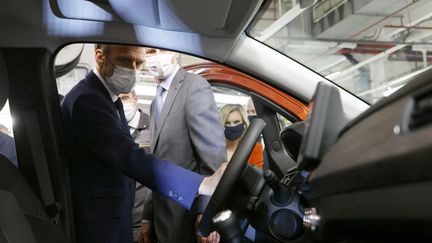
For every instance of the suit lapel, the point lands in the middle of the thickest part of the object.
(172, 93)
(93, 81)
(152, 127)
(144, 120)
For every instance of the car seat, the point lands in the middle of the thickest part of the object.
(22, 215)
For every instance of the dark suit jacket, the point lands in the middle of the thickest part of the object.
(103, 158)
(189, 133)
(7, 147)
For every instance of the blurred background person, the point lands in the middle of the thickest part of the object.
(138, 122)
(235, 121)
(7, 145)
(250, 109)
(137, 119)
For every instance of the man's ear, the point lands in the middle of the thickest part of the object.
(99, 56)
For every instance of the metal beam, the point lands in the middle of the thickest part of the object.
(374, 58)
(281, 22)
(397, 82)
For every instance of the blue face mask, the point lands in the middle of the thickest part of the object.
(233, 133)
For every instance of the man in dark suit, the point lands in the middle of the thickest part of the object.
(103, 158)
(185, 129)
(7, 147)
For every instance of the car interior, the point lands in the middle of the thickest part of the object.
(345, 164)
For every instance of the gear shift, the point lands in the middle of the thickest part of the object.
(281, 195)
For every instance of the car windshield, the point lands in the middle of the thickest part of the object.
(369, 47)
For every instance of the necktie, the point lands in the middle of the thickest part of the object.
(119, 106)
(159, 100)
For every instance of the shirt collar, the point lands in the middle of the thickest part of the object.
(103, 81)
(167, 82)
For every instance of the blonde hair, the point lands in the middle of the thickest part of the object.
(226, 110)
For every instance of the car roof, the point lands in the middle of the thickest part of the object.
(169, 25)
(214, 30)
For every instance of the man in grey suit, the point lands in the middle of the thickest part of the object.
(185, 128)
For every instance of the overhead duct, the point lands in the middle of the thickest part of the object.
(348, 19)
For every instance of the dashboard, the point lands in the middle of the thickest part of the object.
(375, 180)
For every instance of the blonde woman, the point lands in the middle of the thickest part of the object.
(235, 121)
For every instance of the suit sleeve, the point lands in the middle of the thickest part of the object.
(205, 129)
(98, 127)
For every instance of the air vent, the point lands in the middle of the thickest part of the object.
(422, 111)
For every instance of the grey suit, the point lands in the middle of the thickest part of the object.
(188, 133)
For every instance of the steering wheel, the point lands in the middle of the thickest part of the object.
(233, 171)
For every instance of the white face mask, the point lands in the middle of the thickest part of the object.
(161, 66)
(129, 110)
(122, 80)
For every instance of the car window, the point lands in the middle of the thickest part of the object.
(225, 95)
(370, 48)
(278, 109)
(283, 121)
(145, 87)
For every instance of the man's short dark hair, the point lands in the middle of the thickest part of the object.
(103, 47)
